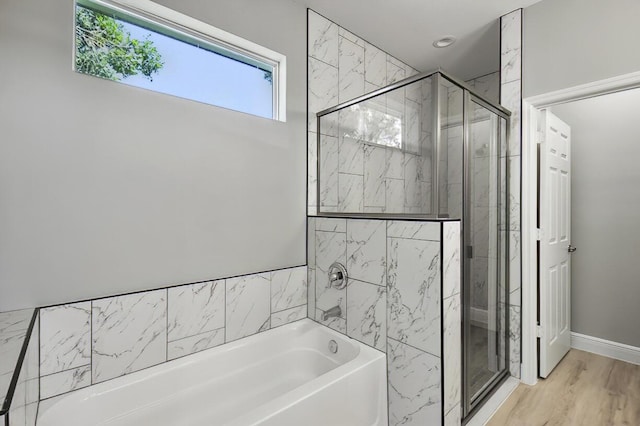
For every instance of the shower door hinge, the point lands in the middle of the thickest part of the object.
(538, 234)
(538, 331)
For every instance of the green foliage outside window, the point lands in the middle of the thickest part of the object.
(105, 49)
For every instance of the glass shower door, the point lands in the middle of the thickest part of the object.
(485, 257)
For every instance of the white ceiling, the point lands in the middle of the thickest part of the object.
(407, 29)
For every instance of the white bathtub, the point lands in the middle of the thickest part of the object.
(283, 377)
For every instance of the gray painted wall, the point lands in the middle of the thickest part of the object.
(605, 211)
(572, 42)
(106, 188)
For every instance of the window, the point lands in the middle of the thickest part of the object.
(143, 44)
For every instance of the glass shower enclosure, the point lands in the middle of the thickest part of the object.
(428, 147)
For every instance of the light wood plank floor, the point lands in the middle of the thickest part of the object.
(584, 389)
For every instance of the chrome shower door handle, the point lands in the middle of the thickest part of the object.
(571, 249)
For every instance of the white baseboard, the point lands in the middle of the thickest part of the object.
(606, 348)
(479, 316)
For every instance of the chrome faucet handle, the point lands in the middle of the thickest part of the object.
(338, 276)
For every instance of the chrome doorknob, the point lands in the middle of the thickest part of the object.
(571, 249)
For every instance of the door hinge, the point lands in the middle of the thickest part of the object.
(469, 252)
(539, 234)
(538, 331)
(540, 138)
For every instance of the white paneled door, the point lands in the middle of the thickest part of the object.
(555, 240)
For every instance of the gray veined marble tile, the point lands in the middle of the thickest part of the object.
(414, 90)
(330, 247)
(484, 187)
(65, 381)
(374, 210)
(331, 225)
(370, 87)
(13, 329)
(515, 297)
(514, 340)
(454, 157)
(413, 284)
(481, 139)
(413, 186)
(367, 250)
(351, 37)
(312, 172)
(453, 417)
(311, 242)
(129, 333)
(397, 62)
(514, 193)
(328, 171)
(395, 164)
(65, 337)
(511, 98)
(488, 86)
(311, 293)
(394, 194)
(350, 70)
(395, 71)
(454, 200)
(366, 313)
(451, 272)
(192, 344)
(288, 288)
(413, 230)
(323, 93)
(374, 181)
(452, 347)
(196, 308)
(350, 193)
(351, 156)
(410, 71)
(414, 386)
(412, 125)
(515, 267)
(479, 274)
(288, 315)
(323, 39)
(480, 232)
(375, 65)
(511, 46)
(248, 305)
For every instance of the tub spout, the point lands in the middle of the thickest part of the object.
(331, 313)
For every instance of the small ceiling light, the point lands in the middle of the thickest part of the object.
(445, 41)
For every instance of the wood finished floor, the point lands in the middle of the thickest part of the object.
(585, 389)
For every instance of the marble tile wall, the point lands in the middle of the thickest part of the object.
(394, 303)
(14, 326)
(452, 323)
(357, 177)
(24, 404)
(89, 342)
(511, 98)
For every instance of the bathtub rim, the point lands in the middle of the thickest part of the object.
(365, 356)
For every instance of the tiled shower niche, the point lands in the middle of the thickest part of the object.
(403, 298)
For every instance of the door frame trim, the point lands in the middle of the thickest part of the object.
(530, 108)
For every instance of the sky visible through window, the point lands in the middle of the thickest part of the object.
(201, 75)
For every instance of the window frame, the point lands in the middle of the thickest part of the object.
(169, 22)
